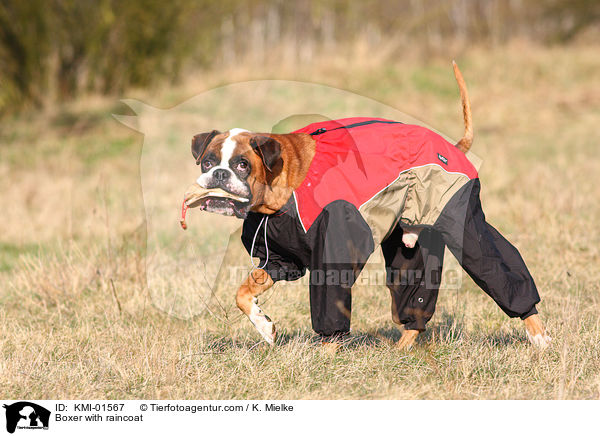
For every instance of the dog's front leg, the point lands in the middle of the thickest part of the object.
(246, 299)
(535, 331)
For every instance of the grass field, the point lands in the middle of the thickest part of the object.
(79, 321)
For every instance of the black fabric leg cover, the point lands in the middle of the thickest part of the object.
(413, 276)
(491, 261)
(341, 243)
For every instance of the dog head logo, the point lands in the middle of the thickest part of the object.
(26, 415)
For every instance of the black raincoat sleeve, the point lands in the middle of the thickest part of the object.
(280, 264)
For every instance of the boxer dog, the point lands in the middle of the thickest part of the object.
(329, 193)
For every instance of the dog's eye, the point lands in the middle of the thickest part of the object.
(207, 164)
(242, 166)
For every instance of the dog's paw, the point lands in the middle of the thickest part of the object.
(541, 341)
(407, 339)
(536, 332)
(409, 238)
(330, 348)
(262, 323)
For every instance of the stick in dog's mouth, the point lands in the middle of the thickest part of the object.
(196, 196)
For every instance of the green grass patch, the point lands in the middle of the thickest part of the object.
(435, 80)
(94, 152)
(11, 253)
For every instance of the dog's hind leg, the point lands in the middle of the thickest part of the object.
(246, 299)
(413, 278)
(493, 263)
(407, 339)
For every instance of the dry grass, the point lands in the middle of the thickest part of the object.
(77, 320)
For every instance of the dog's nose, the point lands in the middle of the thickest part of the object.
(221, 175)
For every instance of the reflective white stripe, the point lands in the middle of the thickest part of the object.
(264, 219)
(298, 210)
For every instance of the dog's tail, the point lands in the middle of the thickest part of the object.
(467, 140)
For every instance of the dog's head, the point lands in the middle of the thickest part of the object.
(239, 162)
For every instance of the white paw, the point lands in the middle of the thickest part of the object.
(540, 341)
(262, 323)
(409, 238)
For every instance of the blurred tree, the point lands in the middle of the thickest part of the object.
(570, 17)
(53, 50)
(24, 48)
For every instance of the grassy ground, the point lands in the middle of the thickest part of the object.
(78, 321)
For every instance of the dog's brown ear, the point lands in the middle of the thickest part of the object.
(268, 149)
(200, 142)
